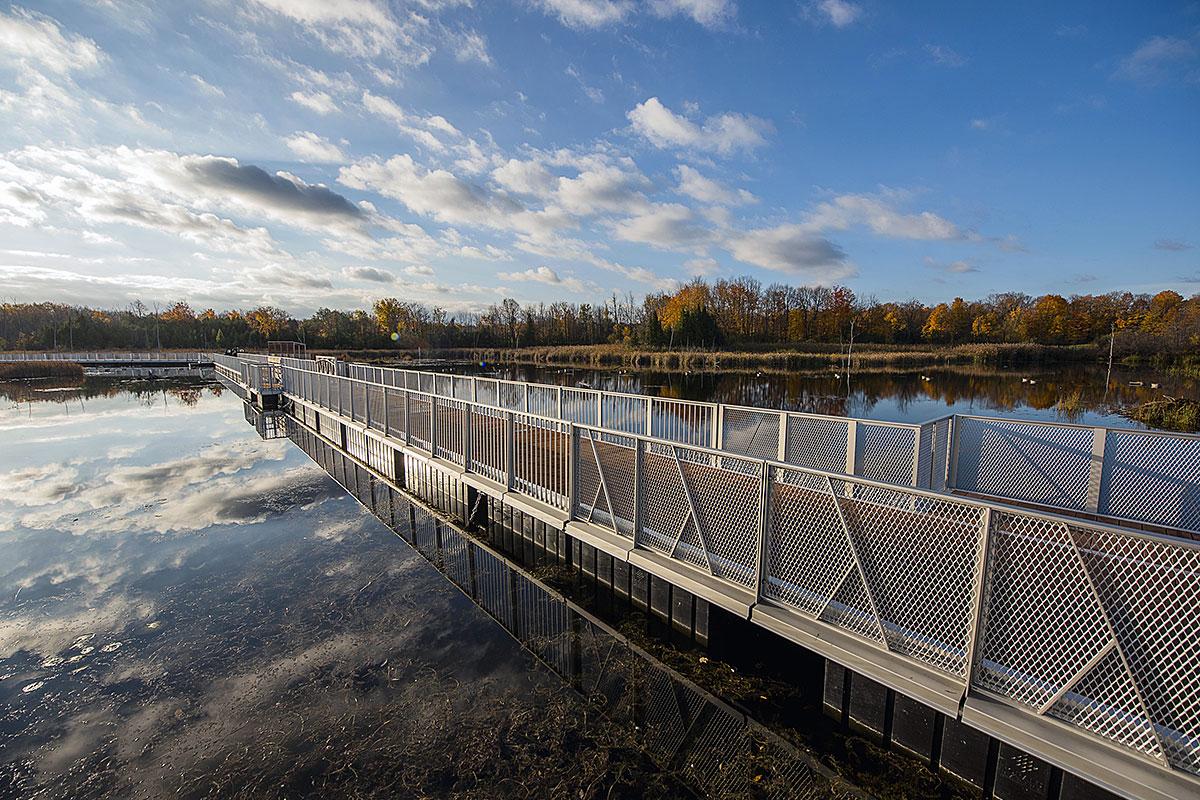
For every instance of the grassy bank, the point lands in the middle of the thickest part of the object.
(809, 357)
(22, 370)
(1169, 413)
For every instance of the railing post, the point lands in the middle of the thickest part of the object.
(1096, 475)
(407, 417)
(851, 446)
(525, 386)
(952, 467)
(558, 402)
(599, 409)
(979, 593)
(918, 436)
(719, 435)
(466, 437)
(572, 465)
(764, 529)
(650, 417)
(714, 428)
(433, 423)
(783, 436)
(638, 489)
(510, 438)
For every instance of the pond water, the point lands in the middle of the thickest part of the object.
(1083, 394)
(190, 611)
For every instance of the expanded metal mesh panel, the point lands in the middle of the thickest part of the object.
(540, 454)
(511, 396)
(817, 443)
(420, 420)
(700, 511)
(395, 412)
(942, 430)
(893, 568)
(487, 391)
(343, 405)
(462, 387)
(489, 442)
(623, 412)
(1063, 600)
(580, 407)
(605, 480)
(451, 430)
(1047, 464)
(885, 453)
(686, 423)
(543, 401)
(378, 414)
(751, 433)
(1153, 478)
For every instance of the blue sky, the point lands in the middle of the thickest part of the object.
(313, 153)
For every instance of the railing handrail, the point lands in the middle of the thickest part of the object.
(1079, 425)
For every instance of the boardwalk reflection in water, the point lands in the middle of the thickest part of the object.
(719, 751)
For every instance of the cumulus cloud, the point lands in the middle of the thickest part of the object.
(602, 188)
(706, 190)
(317, 102)
(359, 28)
(878, 212)
(542, 274)
(29, 38)
(792, 249)
(722, 133)
(668, 226)
(310, 147)
(369, 274)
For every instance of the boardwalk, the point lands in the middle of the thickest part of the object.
(1074, 637)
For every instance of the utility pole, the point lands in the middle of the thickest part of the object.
(1112, 338)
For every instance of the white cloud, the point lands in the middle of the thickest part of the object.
(706, 190)
(669, 226)
(710, 13)
(792, 249)
(959, 267)
(370, 274)
(427, 130)
(358, 28)
(945, 56)
(980, 124)
(312, 148)
(587, 13)
(27, 37)
(723, 133)
(602, 188)
(839, 13)
(471, 46)
(206, 87)
(545, 275)
(419, 271)
(701, 267)
(878, 212)
(593, 93)
(1159, 59)
(317, 102)
(526, 177)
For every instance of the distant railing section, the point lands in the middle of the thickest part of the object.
(1122, 474)
(84, 358)
(1095, 626)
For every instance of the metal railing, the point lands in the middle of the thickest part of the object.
(1122, 474)
(84, 358)
(1126, 475)
(1095, 626)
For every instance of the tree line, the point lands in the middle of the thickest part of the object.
(725, 313)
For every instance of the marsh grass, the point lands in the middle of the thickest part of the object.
(25, 370)
(1169, 413)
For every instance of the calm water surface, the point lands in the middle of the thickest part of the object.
(189, 611)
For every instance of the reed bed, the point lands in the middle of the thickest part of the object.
(26, 370)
